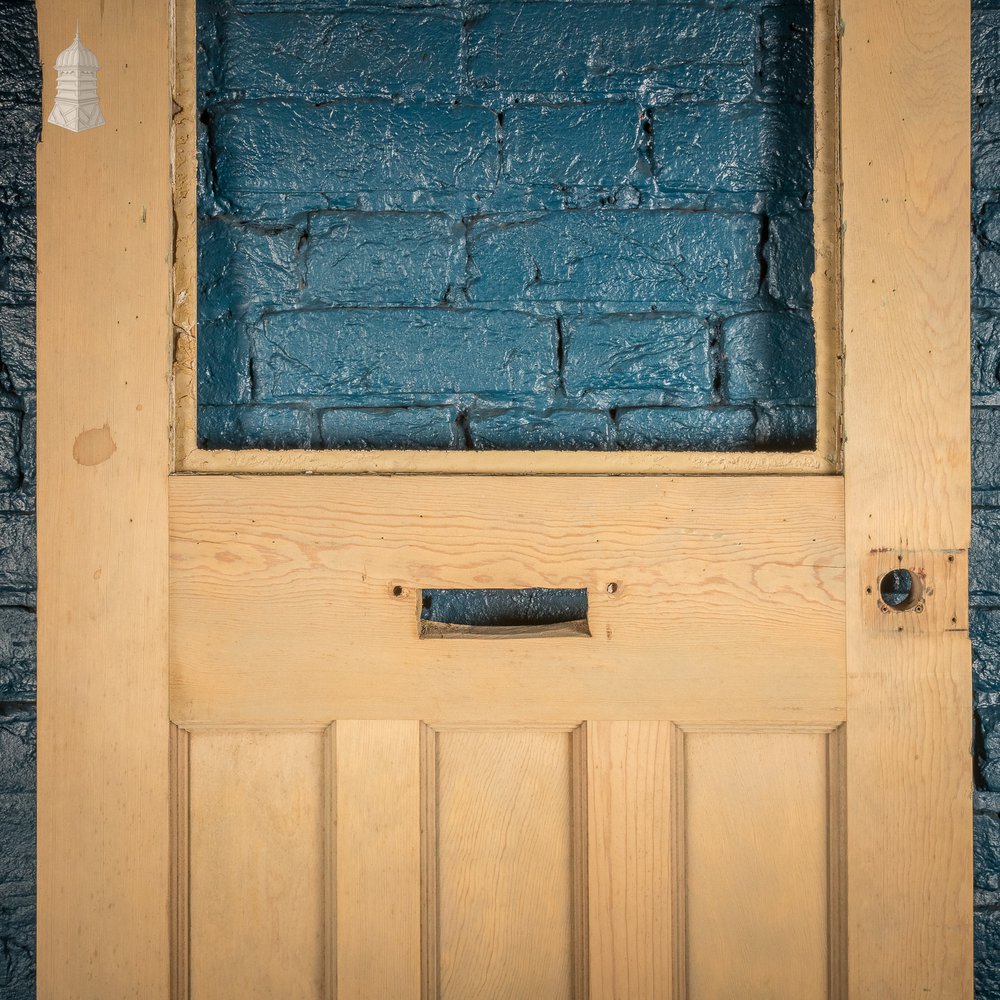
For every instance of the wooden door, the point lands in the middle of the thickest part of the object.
(740, 774)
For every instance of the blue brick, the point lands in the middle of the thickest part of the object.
(26, 451)
(987, 716)
(297, 7)
(664, 429)
(17, 755)
(20, 73)
(224, 363)
(985, 65)
(11, 413)
(984, 565)
(986, 850)
(17, 177)
(21, 119)
(401, 258)
(208, 54)
(651, 258)
(17, 858)
(494, 606)
(557, 430)
(987, 969)
(770, 357)
(17, 828)
(17, 553)
(591, 48)
(746, 147)
(638, 361)
(785, 428)
(210, 202)
(986, 146)
(705, 82)
(790, 259)
(351, 155)
(984, 631)
(787, 60)
(370, 356)
(591, 146)
(256, 427)
(986, 448)
(986, 277)
(245, 270)
(402, 427)
(17, 654)
(985, 354)
(17, 942)
(342, 53)
(17, 346)
(17, 256)
(987, 223)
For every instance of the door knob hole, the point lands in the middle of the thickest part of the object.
(900, 590)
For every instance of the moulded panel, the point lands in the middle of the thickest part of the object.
(759, 810)
(253, 924)
(503, 864)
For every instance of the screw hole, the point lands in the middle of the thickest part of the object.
(901, 590)
(397, 591)
(612, 588)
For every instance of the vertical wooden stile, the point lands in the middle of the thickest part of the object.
(905, 161)
(104, 250)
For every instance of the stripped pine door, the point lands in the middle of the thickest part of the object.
(651, 801)
(742, 774)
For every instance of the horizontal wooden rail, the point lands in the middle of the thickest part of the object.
(295, 599)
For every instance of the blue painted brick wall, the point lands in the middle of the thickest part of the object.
(19, 118)
(985, 570)
(584, 224)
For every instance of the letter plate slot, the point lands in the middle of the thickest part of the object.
(503, 613)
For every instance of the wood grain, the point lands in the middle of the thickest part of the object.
(283, 603)
(378, 860)
(634, 809)
(256, 804)
(504, 866)
(906, 136)
(756, 828)
(104, 242)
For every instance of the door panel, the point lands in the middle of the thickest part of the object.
(503, 895)
(255, 863)
(614, 860)
(757, 863)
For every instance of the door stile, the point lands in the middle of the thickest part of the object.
(104, 250)
(906, 175)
